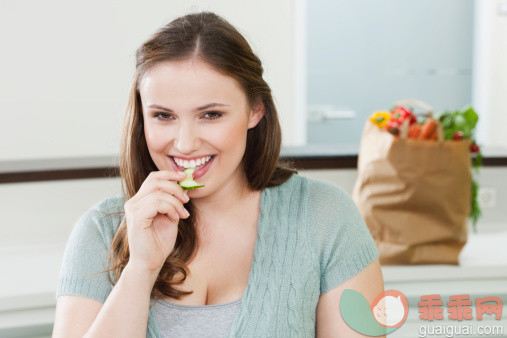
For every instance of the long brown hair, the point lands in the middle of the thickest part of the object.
(207, 37)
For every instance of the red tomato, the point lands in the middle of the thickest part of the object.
(474, 148)
(457, 135)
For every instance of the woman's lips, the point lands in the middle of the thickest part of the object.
(204, 169)
(198, 173)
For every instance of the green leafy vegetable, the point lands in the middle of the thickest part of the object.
(459, 120)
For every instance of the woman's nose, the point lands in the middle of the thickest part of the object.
(187, 140)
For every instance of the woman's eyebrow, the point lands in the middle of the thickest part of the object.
(207, 106)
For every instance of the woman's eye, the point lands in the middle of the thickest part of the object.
(156, 115)
(214, 114)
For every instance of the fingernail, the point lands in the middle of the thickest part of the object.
(186, 212)
(182, 173)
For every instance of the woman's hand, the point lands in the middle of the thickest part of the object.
(152, 217)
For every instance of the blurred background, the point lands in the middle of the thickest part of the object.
(66, 69)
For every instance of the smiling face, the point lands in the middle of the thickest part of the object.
(191, 110)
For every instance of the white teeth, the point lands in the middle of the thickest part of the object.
(192, 163)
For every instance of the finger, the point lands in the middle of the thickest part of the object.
(167, 175)
(154, 179)
(175, 203)
(164, 175)
(164, 207)
(179, 208)
(172, 188)
(169, 187)
(157, 202)
(172, 214)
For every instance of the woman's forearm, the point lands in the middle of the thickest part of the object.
(125, 312)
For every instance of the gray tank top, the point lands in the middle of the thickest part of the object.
(206, 321)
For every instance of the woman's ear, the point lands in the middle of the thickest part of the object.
(256, 114)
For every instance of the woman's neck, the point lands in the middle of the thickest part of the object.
(226, 205)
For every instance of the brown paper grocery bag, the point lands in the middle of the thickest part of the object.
(414, 196)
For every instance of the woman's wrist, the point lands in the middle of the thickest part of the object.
(143, 269)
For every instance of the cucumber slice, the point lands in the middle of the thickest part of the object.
(188, 182)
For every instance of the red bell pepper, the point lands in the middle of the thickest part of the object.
(397, 116)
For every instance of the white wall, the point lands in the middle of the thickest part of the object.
(490, 71)
(66, 67)
(44, 213)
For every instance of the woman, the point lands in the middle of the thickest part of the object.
(257, 251)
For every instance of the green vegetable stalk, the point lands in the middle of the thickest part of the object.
(475, 210)
(459, 125)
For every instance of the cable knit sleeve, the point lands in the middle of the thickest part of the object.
(338, 235)
(86, 255)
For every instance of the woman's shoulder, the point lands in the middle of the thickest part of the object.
(314, 186)
(110, 204)
(104, 216)
(331, 209)
(316, 198)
